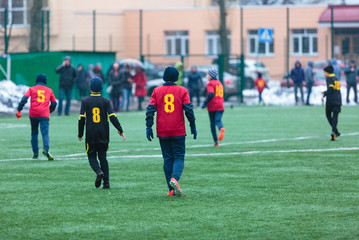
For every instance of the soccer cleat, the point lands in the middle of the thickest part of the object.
(48, 155)
(333, 136)
(171, 193)
(176, 187)
(98, 179)
(216, 144)
(106, 185)
(221, 134)
(337, 134)
(36, 156)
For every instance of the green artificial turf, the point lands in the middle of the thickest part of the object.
(276, 175)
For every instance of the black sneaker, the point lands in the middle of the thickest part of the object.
(106, 185)
(36, 156)
(338, 134)
(98, 179)
(48, 155)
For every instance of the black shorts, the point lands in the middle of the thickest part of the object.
(96, 147)
(333, 108)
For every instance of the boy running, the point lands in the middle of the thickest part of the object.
(215, 105)
(170, 100)
(39, 114)
(95, 111)
(334, 100)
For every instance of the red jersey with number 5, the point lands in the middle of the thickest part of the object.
(41, 96)
(217, 102)
(169, 101)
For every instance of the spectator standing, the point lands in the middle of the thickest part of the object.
(67, 79)
(90, 71)
(352, 74)
(194, 84)
(297, 74)
(115, 81)
(140, 80)
(98, 72)
(82, 79)
(260, 83)
(179, 67)
(126, 86)
(309, 78)
(337, 70)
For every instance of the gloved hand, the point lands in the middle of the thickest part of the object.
(194, 131)
(149, 133)
(204, 105)
(18, 114)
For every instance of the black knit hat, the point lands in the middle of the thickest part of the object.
(170, 74)
(329, 69)
(96, 84)
(41, 78)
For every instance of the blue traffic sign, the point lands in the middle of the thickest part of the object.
(265, 35)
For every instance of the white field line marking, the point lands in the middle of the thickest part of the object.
(209, 154)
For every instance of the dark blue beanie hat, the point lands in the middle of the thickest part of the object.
(41, 78)
(170, 74)
(96, 84)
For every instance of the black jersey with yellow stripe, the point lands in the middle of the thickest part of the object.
(95, 114)
(333, 94)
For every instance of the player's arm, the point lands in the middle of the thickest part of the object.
(22, 103)
(188, 109)
(53, 103)
(330, 89)
(82, 120)
(210, 95)
(114, 120)
(150, 113)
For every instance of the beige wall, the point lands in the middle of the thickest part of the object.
(197, 21)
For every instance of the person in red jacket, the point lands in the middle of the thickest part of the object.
(260, 83)
(140, 80)
(215, 105)
(40, 109)
(169, 101)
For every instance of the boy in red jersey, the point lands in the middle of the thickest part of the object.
(170, 100)
(260, 83)
(215, 105)
(41, 96)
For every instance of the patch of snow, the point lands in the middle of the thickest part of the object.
(10, 96)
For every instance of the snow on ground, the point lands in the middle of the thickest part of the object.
(10, 96)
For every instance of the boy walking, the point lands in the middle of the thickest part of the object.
(260, 83)
(215, 105)
(170, 100)
(334, 100)
(94, 113)
(39, 114)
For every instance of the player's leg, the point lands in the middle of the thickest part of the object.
(44, 128)
(61, 98)
(91, 150)
(213, 126)
(34, 136)
(102, 152)
(68, 101)
(179, 150)
(259, 97)
(219, 124)
(328, 114)
(167, 153)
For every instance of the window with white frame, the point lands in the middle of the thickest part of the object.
(304, 42)
(17, 12)
(213, 43)
(176, 42)
(258, 48)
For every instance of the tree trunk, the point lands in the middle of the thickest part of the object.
(35, 26)
(223, 33)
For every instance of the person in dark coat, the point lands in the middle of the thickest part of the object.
(82, 79)
(126, 86)
(309, 78)
(114, 79)
(67, 79)
(297, 74)
(194, 84)
(352, 74)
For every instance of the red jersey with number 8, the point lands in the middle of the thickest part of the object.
(169, 101)
(41, 96)
(217, 102)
